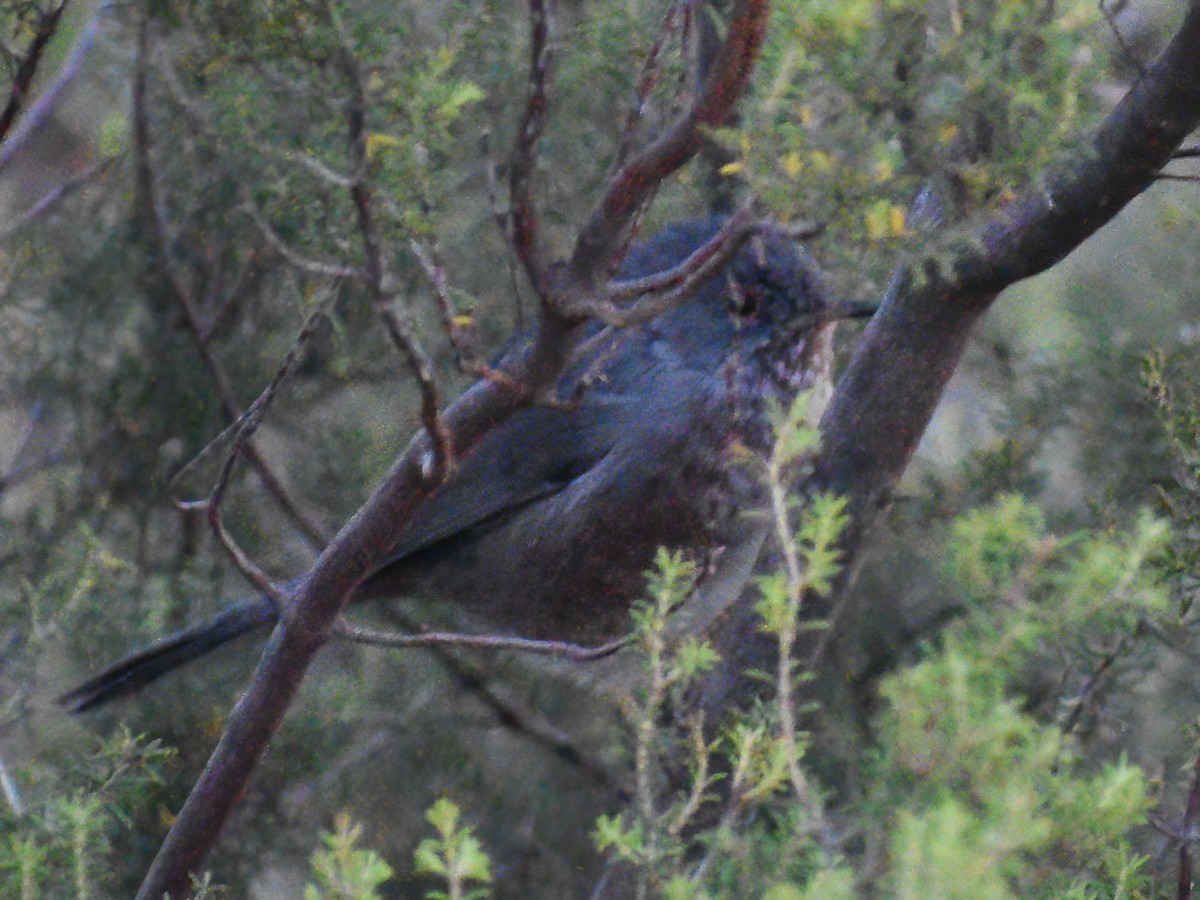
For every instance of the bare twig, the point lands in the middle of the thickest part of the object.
(244, 429)
(43, 31)
(559, 649)
(32, 420)
(520, 717)
(460, 329)
(646, 81)
(156, 224)
(628, 190)
(667, 289)
(244, 426)
(503, 220)
(1110, 11)
(523, 213)
(378, 278)
(56, 195)
(222, 309)
(1091, 685)
(313, 267)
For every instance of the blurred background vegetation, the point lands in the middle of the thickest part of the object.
(1062, 620)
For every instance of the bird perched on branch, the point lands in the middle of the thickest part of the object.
(546, 528)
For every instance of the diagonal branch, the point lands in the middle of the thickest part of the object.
(38, 114)
(907, 354)
(43, 32)
(632, 186)
(909, 351)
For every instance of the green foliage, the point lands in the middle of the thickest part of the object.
(60, 829)
(860, 104)
(986, 799)
(752, 774)
(342, 871)
(985, 769)
(1174, 388)
(454, 856)
(970, 793)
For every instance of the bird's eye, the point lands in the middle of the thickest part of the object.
(745, 301)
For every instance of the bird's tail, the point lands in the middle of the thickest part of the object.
(136, 671)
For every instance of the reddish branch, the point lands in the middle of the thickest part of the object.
(646, 82)
(635, 182)
(379, 280)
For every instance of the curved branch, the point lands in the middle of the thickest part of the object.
(634, 184)
(884, 401)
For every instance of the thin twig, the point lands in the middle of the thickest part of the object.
(503, 220)
(646, 81)
(247, 422)
(1110, 13)
(43, 32)
(245, 427)
(32, 420)
(152, 210)
(314, 267)
(668, 289)
(399, 640)
(523, 213)
(1091, 685)
(629, 189)
(378, 278)
(54, 196)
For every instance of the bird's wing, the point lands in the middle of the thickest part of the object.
(534, 454)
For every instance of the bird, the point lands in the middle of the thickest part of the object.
(546, 528)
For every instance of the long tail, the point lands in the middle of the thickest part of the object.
(136, 671)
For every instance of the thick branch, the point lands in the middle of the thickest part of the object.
(907, 354)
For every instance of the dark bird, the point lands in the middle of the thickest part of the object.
(547, 527)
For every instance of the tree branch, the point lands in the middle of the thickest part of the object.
(43, 32)
(908, 352)
(532, 371)
(632, 186)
